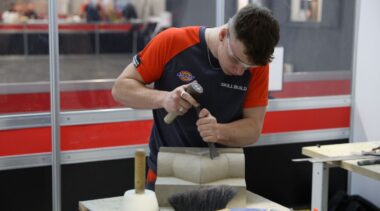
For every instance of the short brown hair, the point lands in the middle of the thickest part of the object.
(258, 30)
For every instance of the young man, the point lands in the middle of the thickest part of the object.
(230, 62)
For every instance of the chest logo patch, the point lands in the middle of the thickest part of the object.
(233, 86)
(185, 76)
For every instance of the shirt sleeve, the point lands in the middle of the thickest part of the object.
(257, 93)
(151, 61)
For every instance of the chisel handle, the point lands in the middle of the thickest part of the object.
(211, 146)
(368, 162)
(140, 162)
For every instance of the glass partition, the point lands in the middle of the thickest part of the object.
(317, 55)
(24, 88)
(317, 37)
(97, 40)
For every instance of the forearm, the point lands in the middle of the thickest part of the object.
(239, 133)
(135, 94)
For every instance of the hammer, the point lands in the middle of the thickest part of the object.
(194, 89)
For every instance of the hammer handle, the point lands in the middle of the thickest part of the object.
(170, 117)
(140, 171)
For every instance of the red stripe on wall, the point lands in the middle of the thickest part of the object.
(11, 27)
(119, 27)
(39, 102)
(312, 119)
(77, 27)
(25, 141)
(37, 140)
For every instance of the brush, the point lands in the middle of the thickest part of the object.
(203, 199)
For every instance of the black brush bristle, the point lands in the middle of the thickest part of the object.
(203, 199)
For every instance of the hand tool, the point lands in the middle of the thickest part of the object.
(203, 199)
(139, 198)
(376, 149)
(211, 146)
(331, 159)
(368, 162)
(194, 89)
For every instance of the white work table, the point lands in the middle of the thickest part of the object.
(321, 169)
(114, 204)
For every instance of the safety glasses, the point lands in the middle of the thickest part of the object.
(231, 54)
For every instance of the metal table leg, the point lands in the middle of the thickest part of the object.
(320, 186)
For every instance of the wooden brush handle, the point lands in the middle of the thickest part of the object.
(140, 171)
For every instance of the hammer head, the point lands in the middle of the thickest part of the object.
(194, 89)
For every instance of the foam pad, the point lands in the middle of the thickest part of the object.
(146, 201)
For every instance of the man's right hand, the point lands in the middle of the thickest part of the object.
(179, 101)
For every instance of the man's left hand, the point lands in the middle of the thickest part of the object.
(208, 127)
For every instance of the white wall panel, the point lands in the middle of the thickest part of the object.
(366, 90)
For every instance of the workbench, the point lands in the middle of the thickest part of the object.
(114, 204)
(321, 169)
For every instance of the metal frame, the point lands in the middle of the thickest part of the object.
(353, 84)
(318, 75)
(69, 157)
(220, 8)
(122, 152)
(32, 120)
(320, 183)
(101, 116)
(18, 121)
(303, 136)
(99, 84)
(302, 103)
(55, 104)
(43, 87)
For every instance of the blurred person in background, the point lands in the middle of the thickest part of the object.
(30, 12)
(93, 11)
(12, 14)
(129, 11)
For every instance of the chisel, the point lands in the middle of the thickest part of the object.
(368, 162)
(211, 146)
(194, 89)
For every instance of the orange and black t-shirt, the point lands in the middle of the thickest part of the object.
(178, 56)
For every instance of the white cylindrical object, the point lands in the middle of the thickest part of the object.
(146, 201)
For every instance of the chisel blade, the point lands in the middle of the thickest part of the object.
(213, 151)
